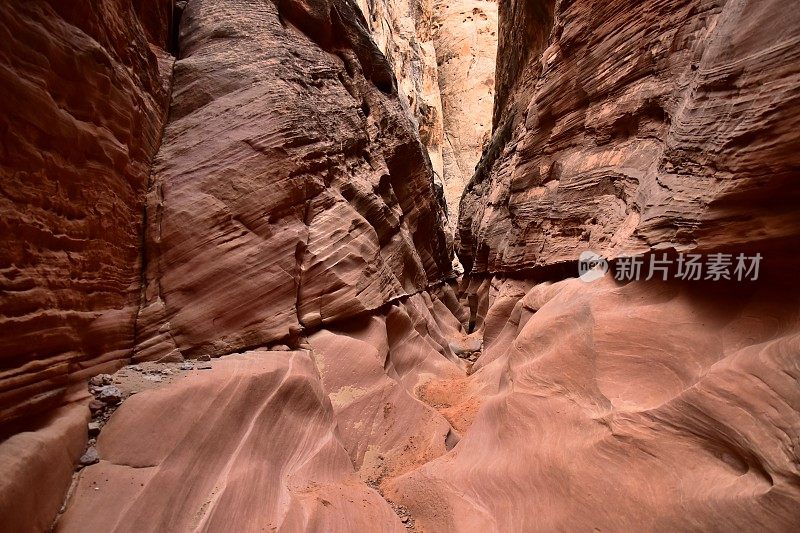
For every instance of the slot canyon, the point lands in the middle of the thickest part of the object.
(399, 265)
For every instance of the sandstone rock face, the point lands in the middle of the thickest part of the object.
(465, 37)
(37, 468)
(648, 406)
(301, 440)
(294, 244)
(403, 31)
(372, 370)
(634, 126)
(443, 54)
(84, 96)
(276, 464)
(625, 128)
(290, 191)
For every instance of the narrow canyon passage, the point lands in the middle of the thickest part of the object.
(340, 418)
(321, 265)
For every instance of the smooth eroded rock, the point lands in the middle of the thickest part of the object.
(654, 406)
(250, 444)
(37, 468)
(291, 190)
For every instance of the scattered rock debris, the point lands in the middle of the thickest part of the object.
(470, 356)
(89, 457)
(110, 390)
(400, 510)
(404, 514)
(107, 394)
(94, 429)
(469, 348)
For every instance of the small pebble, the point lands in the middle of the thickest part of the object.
(94, 429)
(109, 395)
(89, 457)
(100, 380)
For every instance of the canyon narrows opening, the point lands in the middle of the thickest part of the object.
(443, 55)
(230, 293)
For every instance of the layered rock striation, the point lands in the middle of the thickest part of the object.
(655, 406)
(298, 440)
(635, 126)
(286, 231)
(443, 54)
(85, 88)
(288, 201)
(291, 190)
(629, 128)
(85, 92)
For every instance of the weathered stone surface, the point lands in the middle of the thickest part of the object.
(290, 191)
(648, 406)
(37, 467)
(443, 54)
(403, 31)
(623, 128)
(292, 205)
(371, 370)
(84, 94)
(338, 420)
(630, 126)
(277, 463)
(465, 38)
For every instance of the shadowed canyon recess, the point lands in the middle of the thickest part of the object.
(315, 265)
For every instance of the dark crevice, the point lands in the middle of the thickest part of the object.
(299, 255)
(174, 45)
(144, 254)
